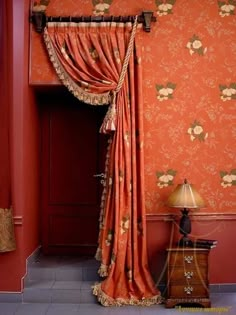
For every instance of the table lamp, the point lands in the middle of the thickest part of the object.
(185, 196)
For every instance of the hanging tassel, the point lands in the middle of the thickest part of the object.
(110, 121)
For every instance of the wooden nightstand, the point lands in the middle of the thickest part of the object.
(187, 278)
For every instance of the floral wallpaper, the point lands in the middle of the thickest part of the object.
(189, 89)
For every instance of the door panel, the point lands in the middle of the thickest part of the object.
(72, 152)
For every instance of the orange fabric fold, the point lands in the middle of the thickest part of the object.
(88, 58)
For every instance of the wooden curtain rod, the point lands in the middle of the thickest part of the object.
(39, 19)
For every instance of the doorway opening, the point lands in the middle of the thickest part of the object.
(72, 153)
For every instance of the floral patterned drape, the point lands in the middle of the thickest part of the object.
(88, 58)
(7, 238)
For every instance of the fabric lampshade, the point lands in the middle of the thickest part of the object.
(185, 196)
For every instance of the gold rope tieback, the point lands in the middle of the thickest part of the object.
(110, 120)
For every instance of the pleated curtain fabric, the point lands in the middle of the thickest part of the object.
(88, 58)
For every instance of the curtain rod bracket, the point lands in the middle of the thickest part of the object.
(148, 18)
(39, 19)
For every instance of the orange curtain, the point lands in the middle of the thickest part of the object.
(88, 59)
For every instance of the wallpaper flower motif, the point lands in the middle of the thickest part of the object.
(196, 132)
(195, 46)
(228, 179)
(101, 7)
(228, 92)
(164, 7)
(226, 8)
(165, 92)
(40, 6)
(165, 179)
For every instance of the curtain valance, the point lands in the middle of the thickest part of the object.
(74, 47)
(91, 60)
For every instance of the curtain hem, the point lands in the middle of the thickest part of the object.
(106, 300)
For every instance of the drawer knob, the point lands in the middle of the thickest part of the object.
(188, 274)
(188, 259)
(188, 290)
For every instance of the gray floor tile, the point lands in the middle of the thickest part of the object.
(8, 308)
(37, 295)
(222, 304)
(223, 299)
(71, 262)
(87, 285)
(46, 273)
(86, 296)
(90, 309)
(40, 284)
(90, 274)
(66, 296)
(69, 285)
(129, 310)
(10, 297)
(227, 288)
(69, 274)
(63, 309)
(32, 309)
(90, 262)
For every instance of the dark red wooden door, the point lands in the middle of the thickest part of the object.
(73, 151)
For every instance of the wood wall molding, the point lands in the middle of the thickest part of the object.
(166, 217)
(18, 220)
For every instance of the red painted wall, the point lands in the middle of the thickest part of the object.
(10, 263)
(190, 134)
(24, 148)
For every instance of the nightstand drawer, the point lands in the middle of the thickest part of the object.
(188, 290)
(187, 276)
(188, 258)
(190, 274)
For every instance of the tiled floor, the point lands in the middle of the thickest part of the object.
(222, 303)
(53, 285)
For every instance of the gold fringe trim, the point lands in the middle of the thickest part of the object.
(98, 255)
(7, 235)
(106, 300)
(75, 89)
(103, 270)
